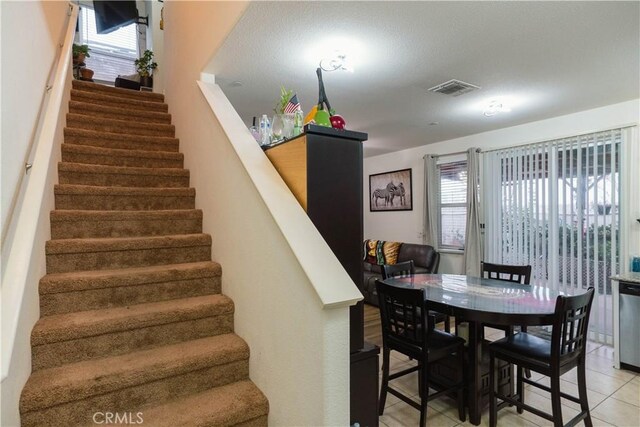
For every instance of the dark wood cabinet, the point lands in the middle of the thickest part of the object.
(323, 169)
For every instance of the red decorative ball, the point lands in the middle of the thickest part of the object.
(337, 122)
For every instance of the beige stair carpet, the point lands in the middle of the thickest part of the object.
(133, 322)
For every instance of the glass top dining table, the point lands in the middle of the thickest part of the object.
(477, 301)
(481, 299)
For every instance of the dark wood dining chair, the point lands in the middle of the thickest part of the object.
(565, 351)
(407, 268)
(407, 330)
(508, 273)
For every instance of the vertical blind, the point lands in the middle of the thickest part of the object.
(112, 54)
(555, 205)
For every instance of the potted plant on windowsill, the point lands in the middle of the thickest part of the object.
(80, 52)
(145, 67)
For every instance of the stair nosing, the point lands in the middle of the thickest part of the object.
(115, 122)
(75, 131)
(78, 189)
(104, 98)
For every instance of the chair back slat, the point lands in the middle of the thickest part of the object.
(400, 269)
(571, 326)
(510, 273)
(401, 314)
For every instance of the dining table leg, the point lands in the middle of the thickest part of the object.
(475, 374)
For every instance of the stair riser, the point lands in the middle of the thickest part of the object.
(117, 115)
(130, 128)
(62, 263)
(114, 344)
(117, 92)
(127, 228)
(94, 299)
(123, 144)
(122, 180)
(117, 102)
(136, 162)
(97, 202)
(133, 398)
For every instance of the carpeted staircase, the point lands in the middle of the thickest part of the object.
(132, 318)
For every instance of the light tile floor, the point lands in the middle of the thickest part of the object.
(614, 396)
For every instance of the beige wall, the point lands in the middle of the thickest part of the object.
(407, 226)
(29, 35)
(299, 351)
(26, 64)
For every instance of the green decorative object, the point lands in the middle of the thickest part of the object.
(322, 118)
(285, 96)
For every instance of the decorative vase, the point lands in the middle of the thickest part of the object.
(86, 73)
(282, 127)
(79, 58)
(146, 81)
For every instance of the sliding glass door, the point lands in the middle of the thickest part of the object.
(556, 206)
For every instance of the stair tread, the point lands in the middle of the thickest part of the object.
(89, 133)
(123, 124)
(102, 98)
(120, 152)
(118, 92)
(123, 191)
(82, 324)
(97, 279)
(230, 404)
(88, 108)
(109, 244)
(120, 170)
(79, 380)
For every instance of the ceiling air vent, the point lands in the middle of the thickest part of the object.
(454, 88)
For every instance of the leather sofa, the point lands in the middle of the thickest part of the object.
(425, 258)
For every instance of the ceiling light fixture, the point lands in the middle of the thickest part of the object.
(337, 62)
(496, 107)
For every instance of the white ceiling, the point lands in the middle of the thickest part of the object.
(550, 58)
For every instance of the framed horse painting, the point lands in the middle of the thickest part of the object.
(391, 191)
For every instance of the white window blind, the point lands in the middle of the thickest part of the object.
(555, 206)
(452, 198)
(112, 54)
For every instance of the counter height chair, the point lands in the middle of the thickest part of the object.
(407, 330)
(565, 351)
(407, 268)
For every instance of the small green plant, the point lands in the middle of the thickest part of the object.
(79, 49)
(145, 64)
(285, 96)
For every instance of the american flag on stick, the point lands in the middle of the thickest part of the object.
(292, 105)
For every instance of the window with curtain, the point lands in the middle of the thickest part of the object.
(112, 54)
(452, 206)
(556, 206)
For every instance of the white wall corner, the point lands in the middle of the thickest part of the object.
(208, 78)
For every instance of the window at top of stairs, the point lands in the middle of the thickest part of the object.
(112, 54)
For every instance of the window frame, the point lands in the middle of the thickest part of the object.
(441, 246)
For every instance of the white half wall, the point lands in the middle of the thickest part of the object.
(406, 226)
(29, 35)
(299, 350)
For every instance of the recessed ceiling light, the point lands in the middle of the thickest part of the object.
(495, 107)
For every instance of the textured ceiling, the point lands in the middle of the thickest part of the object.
(550, 58)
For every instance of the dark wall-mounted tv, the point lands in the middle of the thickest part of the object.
(111, 15)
